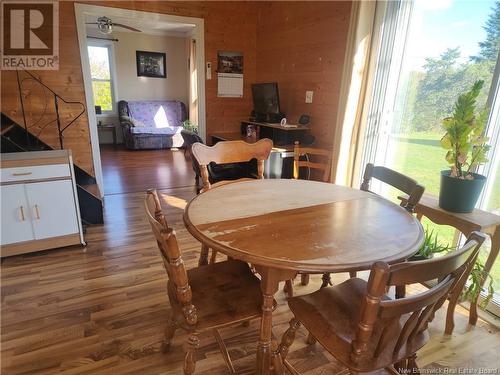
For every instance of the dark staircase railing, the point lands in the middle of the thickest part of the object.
(24, 76)
(17, 138)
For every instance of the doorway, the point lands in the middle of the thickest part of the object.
(108, 80)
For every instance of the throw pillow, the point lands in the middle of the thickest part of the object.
(138, 123)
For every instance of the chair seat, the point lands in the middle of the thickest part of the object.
(332, 314)
(224, 293)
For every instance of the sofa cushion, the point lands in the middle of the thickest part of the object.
(148, 130)
(158, 114)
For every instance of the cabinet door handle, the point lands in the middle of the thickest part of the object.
(21, 174)
(21, 209)
(37, 212)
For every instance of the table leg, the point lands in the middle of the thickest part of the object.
(114, 136)
(269, 286)
(270, 279)
(203, 261)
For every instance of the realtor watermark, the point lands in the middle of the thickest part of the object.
(452, 371)
(30, 35)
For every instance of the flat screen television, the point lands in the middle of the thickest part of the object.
(266, 99)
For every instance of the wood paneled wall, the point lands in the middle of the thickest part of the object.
(301, 45)
(229, 26)
(298, 44)
(67, 82)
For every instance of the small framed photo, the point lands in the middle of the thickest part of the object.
(151, 64)
(230, 62)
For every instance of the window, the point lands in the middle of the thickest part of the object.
(446, 48)
(100, 72)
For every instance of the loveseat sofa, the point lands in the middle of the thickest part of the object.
(152, 124)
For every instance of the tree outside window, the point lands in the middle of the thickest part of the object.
(446, 52)
(100, 72)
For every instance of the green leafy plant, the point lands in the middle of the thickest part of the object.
(464, 138)
(474, 288)
(191, 126)
(431, 245)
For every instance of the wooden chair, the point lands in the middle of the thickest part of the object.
(203, 298)
(366, 330)
(397, 180)
(323, 163)
(466, 223)
(224, 153)
(231, 152)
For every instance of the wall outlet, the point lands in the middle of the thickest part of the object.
(309, 96)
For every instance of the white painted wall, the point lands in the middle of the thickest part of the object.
(198, 33)
(131, 87)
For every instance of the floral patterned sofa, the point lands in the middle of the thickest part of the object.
(152, 124)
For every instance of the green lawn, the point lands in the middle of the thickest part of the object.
(421, 157)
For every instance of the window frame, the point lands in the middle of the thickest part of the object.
(489, 169)
(112, 76)
(493, 133)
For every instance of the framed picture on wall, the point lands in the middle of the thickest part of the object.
(151, 64)
(230, 62)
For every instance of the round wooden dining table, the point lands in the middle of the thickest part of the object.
(283, 227)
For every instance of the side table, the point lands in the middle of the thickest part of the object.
(466, 223)
(109, 127)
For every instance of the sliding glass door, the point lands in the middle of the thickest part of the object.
(445, 47)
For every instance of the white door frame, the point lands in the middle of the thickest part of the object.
(81, 10)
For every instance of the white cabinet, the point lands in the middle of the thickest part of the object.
(16, 222)
(39, 202)
(52, 208)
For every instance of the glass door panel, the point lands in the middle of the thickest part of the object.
(449, 45)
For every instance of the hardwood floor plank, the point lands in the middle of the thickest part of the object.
(165, 169)
(102, 309)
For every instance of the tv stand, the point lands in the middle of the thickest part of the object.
(280, 135)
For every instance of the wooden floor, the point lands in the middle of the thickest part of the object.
(102, 309)
(128, 171)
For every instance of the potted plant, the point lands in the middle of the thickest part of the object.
(473, 289)
(430, 246)
(466, 144)
(190, 126)
(189, 134)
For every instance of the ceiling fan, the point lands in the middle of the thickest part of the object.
(105, 25)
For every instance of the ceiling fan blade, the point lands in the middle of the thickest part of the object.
(91, 23)
(126, 27)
